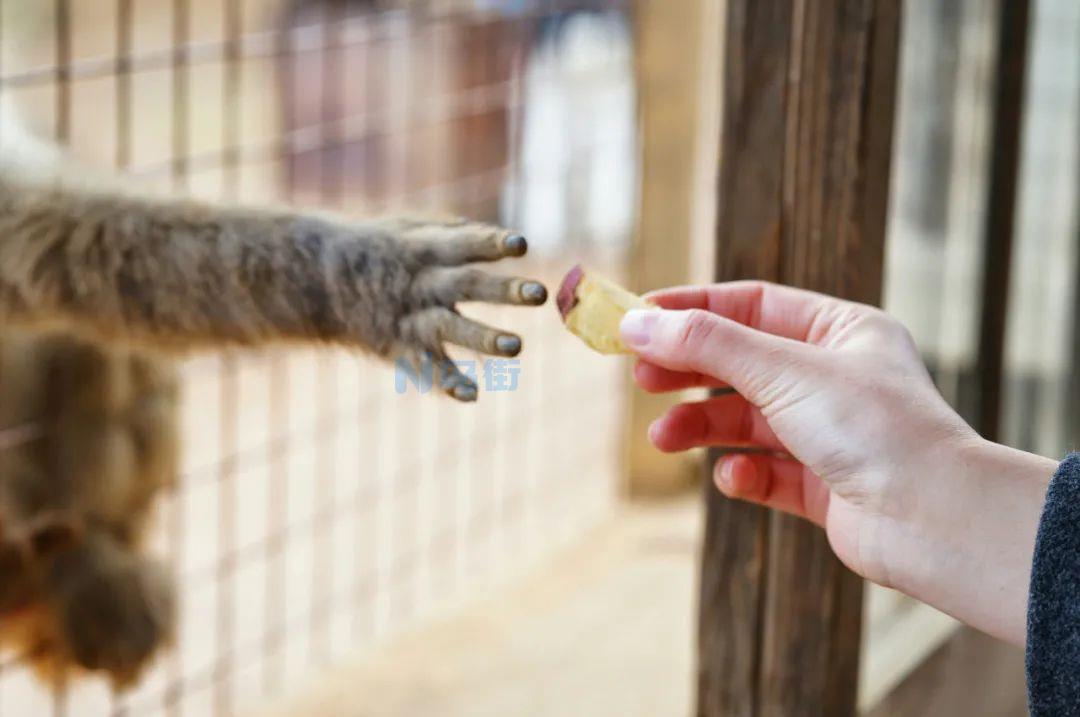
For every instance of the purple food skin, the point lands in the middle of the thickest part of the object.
(567, 299)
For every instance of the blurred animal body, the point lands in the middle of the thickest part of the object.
(98, 285)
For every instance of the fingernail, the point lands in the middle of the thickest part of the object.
(636, 327)
(533, 292)
(727, 470)
(516, 245)
(508, 345)
(465, 392)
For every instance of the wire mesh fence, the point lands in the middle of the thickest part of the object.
(324, 502)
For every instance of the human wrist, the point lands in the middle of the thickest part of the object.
(964, 544)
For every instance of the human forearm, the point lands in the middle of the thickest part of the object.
(966, 542)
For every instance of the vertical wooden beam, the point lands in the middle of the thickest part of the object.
(757, 41)
(806, 142)
(1005, 143)
(669, 64)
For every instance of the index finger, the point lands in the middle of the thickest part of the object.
(775, 309)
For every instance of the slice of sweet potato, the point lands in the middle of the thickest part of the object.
(592, 307)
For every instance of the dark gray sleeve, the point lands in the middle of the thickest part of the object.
(1053, 619)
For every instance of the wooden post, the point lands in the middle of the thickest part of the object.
(1001, 202)
(670, 61)
(806, 144)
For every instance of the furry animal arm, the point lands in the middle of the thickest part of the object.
(179, 274)
(95, 280)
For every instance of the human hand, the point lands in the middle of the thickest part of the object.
(853, 435)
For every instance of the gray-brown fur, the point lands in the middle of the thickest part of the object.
(97, 286)
(75, 590)
(183, 274)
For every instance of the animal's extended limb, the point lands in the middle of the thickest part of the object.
(178, 273)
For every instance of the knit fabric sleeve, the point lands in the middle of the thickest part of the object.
(1053, 615)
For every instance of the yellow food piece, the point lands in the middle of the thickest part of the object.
(595, 318)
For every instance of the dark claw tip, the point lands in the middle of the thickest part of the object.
(515, 245)
(508, 345)
(464, 392)
(533, 293)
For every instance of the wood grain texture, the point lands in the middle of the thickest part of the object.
(806, 147)
(733, 561)
(748, 245)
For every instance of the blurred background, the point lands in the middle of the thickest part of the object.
(345, 549)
